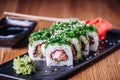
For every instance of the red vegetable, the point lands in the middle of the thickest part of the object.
(102, 26)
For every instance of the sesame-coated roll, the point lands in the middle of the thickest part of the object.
(36, 45)
(59, 52)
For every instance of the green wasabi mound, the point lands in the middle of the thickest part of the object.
(24, 65)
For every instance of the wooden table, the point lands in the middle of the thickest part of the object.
(106, 69)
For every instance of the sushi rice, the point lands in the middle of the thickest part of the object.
(68, 52)
(33, 48)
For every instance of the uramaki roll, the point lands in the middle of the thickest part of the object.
(93, 37)
(59, 52)
(67, 31)
(36, 47)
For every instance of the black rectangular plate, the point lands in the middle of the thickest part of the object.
(54, 73)
(13, 31)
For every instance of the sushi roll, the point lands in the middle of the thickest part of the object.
(89, 38)
(94, 41)
(83, 37)
(63, 43)
(71, 36)
(59, 52)
(77, 47)
(67, 32)
(85, 45)
(36, 47)
(93, 37)
(37, 51)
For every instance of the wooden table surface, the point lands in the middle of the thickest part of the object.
(107, 68)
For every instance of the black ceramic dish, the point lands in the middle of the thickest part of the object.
(62, 73)
(14, 30)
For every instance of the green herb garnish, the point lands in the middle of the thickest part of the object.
(72, 29)
(57, 39)
(43, 34)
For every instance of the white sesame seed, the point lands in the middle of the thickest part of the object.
(95, 54)
(106, 41)
(46, 71)
(87, 58)
(102, 42)
(90, 57)
(110, 43)
(113, 43)
(98, 53)
(55, 69)
(71, 66)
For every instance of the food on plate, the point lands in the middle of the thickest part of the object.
(59, 52)
(70, 35)
(93, 38)
(24, 65)
(87, 34)
(65, 42)
(36, 44)
(64, 29)
(85, 45)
